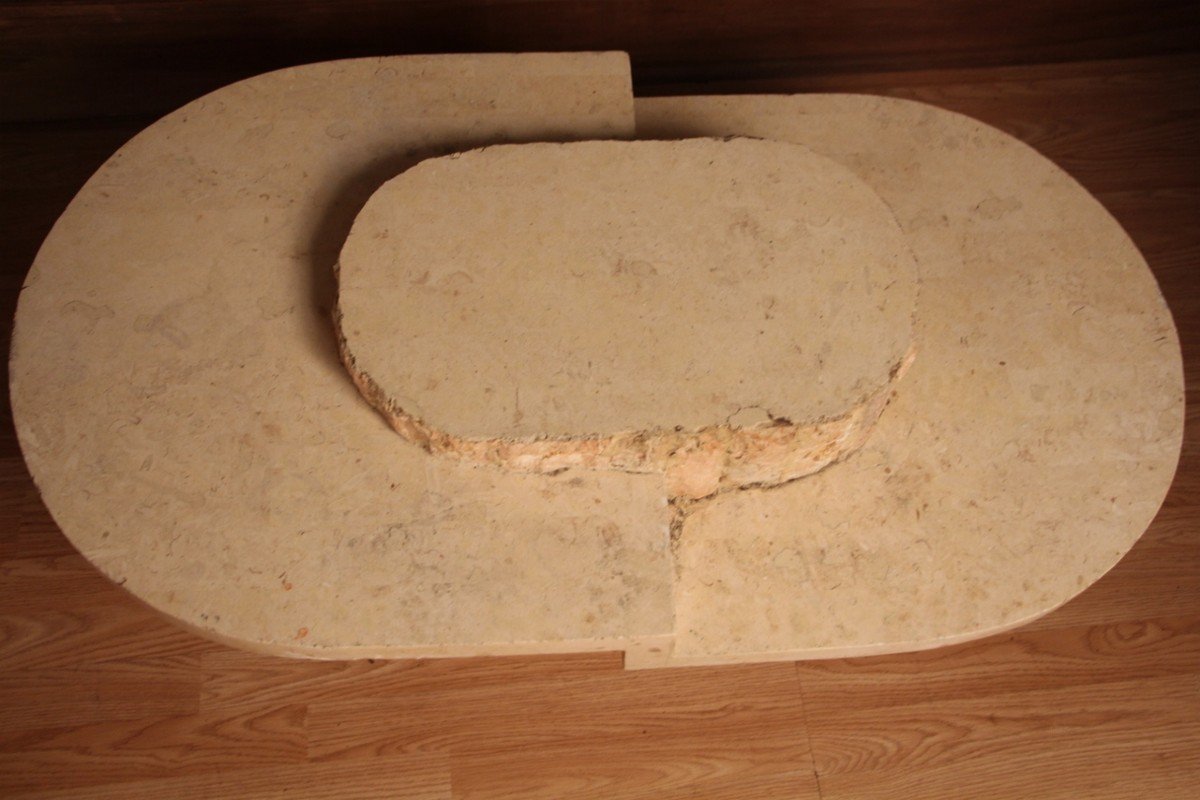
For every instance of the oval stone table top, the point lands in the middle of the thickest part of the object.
(644, 285)
(727, 312)
(180, 400)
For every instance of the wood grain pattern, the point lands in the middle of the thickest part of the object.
(232, 678)
(419, 777)
(152, 747)
(1124, 739)
(101, 698)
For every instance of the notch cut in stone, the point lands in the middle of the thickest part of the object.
(729, 312)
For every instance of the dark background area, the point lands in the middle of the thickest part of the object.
(84, 58)
(1098, 699)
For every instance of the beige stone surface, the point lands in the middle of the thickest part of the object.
(1027, 449)
(726, 312)
(569, 290)
(181, 403)
(182, 408)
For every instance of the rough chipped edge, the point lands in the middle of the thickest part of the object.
(697, 464)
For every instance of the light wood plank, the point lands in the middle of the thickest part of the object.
(420, 777)
(1024, 660)
(654, 770)
(56, 583)
(50, 639)
(1122, 739)
(642, 734)
(115, 750)
(128, 689)
(233, 678)
(628, 706)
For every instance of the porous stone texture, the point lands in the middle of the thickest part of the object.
(182, 406)
(725, 311)
(180, 402)
(1027, 449)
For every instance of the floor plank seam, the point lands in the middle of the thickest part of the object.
(807, 729)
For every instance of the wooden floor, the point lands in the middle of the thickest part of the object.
(100, 698)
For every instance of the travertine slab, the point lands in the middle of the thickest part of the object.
(1027, 449)
(180, 402)
(726, 311)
